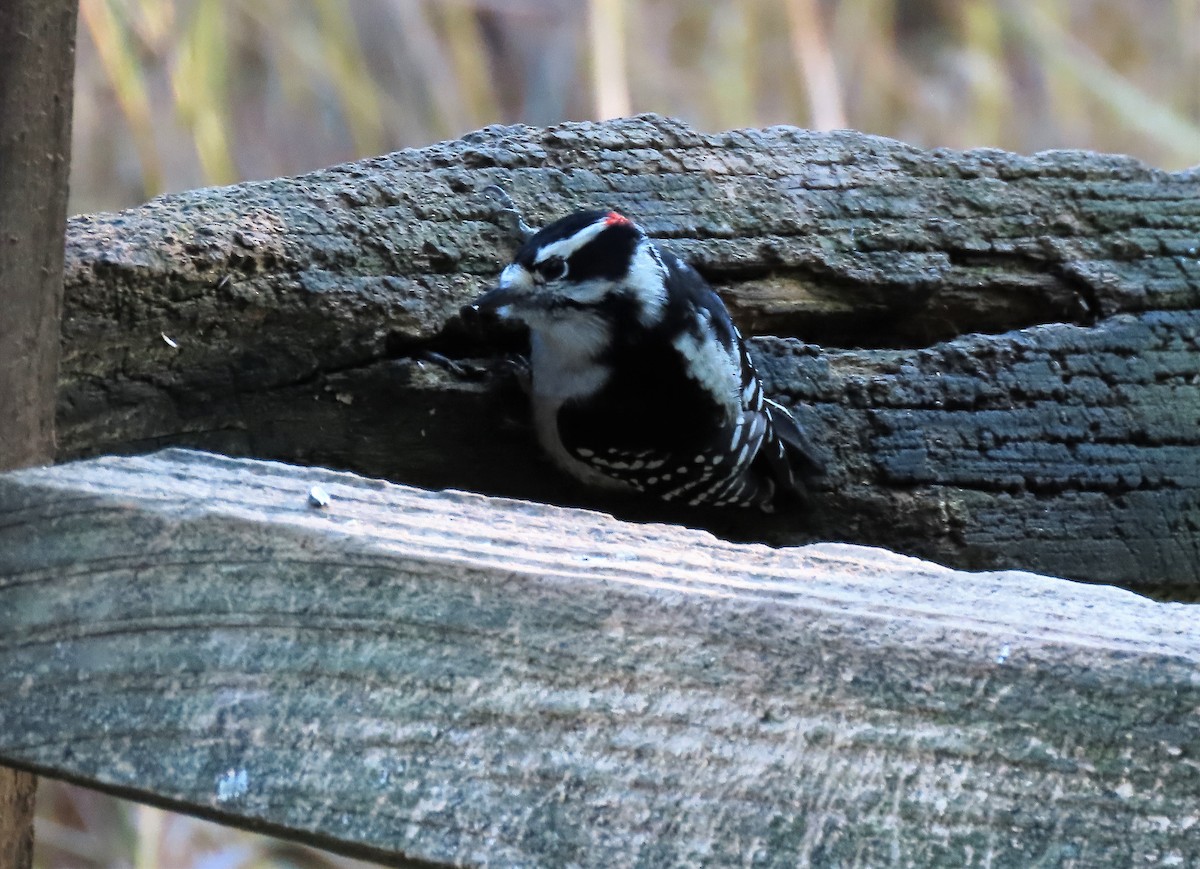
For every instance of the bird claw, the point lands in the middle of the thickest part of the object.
(507, 216)
(444, 361)
(518, 367)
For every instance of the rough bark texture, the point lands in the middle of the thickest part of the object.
(37, 63)
(18, 790)
(467, 681)
(298, 310)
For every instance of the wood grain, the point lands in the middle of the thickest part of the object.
(457, 680)
(37, 66)
(18, 792)
(998, 353)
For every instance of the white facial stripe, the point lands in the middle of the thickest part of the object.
(589, 292)
(563, 248)
(516, 276)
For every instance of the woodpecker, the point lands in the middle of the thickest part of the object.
(639, 380)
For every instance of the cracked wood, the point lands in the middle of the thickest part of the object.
(298, 310)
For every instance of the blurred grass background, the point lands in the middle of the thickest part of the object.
(173, 94)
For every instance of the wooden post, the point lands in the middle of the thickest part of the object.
(37, 66)
(17, 790)
(36, 69)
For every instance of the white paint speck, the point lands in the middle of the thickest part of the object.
(233, 785)
(318, 497)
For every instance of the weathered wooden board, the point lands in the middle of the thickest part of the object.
(37, 67)
(286, 319)
(448, 678)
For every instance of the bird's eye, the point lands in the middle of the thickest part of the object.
(552, 269)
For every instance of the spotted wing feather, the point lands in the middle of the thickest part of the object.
(745, 450)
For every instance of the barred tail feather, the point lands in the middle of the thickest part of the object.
(805, 460)
(792, 459)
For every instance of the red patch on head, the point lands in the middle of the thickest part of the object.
(616, 219)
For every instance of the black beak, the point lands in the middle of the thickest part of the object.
(493, 300)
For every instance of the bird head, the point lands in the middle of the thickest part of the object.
(590, 264)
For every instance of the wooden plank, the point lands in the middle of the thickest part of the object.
(287, 319)
(37, 65)
(449, 678)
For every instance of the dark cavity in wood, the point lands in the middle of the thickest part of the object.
(1009, 373)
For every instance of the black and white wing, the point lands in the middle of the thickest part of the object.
(683, 416)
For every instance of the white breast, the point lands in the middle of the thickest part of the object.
(563, 363)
